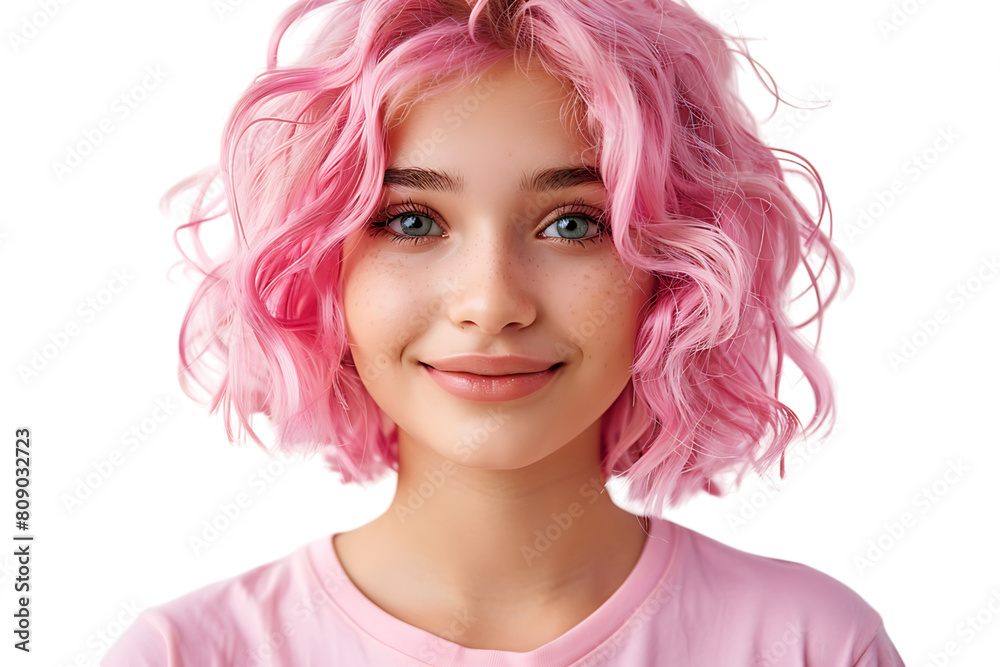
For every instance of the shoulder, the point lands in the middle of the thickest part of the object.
(244, 597)
(775, 602)
(229, 615)
(747, 577)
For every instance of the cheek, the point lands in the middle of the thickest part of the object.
(370, 295)
(614, 306)
(385, 307)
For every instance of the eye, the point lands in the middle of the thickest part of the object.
(574, 227)
(405, 223)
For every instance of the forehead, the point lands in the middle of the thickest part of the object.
(509, 111)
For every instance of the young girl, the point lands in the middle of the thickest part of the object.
(510, 250)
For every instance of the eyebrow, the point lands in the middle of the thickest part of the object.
(554, 178)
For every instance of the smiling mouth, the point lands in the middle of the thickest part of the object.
(491, 388)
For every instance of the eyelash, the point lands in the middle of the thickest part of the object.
(379, 225)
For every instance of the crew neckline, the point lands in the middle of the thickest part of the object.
(643, 582)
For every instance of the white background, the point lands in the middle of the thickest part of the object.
(900, 427)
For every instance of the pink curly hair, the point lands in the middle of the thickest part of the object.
(686, 174)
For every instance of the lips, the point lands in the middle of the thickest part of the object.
(491, 388)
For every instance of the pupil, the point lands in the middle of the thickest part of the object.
(571, 225)
(408, 223)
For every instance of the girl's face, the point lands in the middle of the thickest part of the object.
(485, 267)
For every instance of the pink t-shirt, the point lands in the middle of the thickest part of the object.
(690, 601)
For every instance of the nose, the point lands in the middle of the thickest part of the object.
(494, 282)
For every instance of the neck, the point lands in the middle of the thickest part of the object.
(547, 532)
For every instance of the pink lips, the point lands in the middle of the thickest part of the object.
(488, 388)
